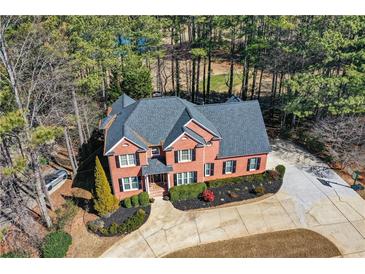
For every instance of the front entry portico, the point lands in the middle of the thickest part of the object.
(156, 177)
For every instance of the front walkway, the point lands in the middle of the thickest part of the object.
(335, 211)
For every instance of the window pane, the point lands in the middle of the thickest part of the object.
(229, 166)
(126, 184)
(253, 163)
(135, 182)
(131, 159)
(123, 160)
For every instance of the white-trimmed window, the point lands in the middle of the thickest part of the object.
(185, 178)
(129, 183)
(253, 164)
(185, 155)
(229, 167)
(208, 169)
(127, 160)
(155, 151)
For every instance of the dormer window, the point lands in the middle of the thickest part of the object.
(155, 151)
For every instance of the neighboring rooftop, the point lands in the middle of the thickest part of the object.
(159, 121)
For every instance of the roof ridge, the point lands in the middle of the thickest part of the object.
(228, 103)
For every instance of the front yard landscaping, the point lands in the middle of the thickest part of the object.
(125, 219)
(223, 191)
(295, 243)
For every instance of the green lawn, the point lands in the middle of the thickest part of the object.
(218, 82)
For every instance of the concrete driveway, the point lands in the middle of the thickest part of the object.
(333, 210)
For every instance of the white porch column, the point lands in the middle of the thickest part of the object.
(147, 183)
(168, 181)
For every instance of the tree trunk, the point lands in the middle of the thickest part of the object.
(231, 69)
(253, 83)
(78, 119)
(34, 159)
(204, 74)
(198, 77)
(193, 82)
(70, 154)
(177, 75)
(209, 57)
(260, 84)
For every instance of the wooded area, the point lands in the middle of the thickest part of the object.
(58, 74)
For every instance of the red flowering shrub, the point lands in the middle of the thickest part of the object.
(208, 195)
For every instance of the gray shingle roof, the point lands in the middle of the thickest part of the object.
(159, 121)
(241, 126)
(155, 166)
(233, 99)
(123, 101)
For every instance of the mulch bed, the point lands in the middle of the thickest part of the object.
(122, 214)
(231, 192)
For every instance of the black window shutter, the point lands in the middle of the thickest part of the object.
(139, 182)
(117, 161)
(248, 164)
(195, 176)
(137, 159)
(176, 156)
(224, 168)
(193, 155)
(211, 169)
(258, 163)
(234, 166)
(120, 185)
(175, 180)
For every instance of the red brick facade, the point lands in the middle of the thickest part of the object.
(203, 154)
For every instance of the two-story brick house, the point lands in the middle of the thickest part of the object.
(157, 143)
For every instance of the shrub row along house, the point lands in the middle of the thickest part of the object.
(157, 143)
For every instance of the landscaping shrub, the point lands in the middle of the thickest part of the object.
(56, 244)
(15, 254)
(65, 214)
(127, 202)
(144, 199)
(208, 195)
(135, 201)
(273, 175)
(113, 229)
(281, 170)
(105, 202)
(185, 192)
(222, 182)
(260, 190)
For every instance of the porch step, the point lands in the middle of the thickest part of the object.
(157, 191)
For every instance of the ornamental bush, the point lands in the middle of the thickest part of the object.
(56, 244)
(144, 199)
(135, 201)
(185, 192)
(281, 170)
(225, 181)
(208, 195)
(127, 202)
(105, 202)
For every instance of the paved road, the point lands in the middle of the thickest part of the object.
(335, 211)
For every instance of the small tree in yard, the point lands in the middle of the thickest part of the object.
(104, 201)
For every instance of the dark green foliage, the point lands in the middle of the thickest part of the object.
(135, 201)
(137, 81)
(56, 244)
(15, 254)
(144, 199)
(273, 175)
(127, 202)
(185, 192)
(281, 170)
(222, 182)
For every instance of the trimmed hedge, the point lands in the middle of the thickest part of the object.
(56, 244)
(222, 182)
(144, 199)
(129, 225)
(135, 201)
(281, 170)
(258, 178)
(185, 192)
(127, 202)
